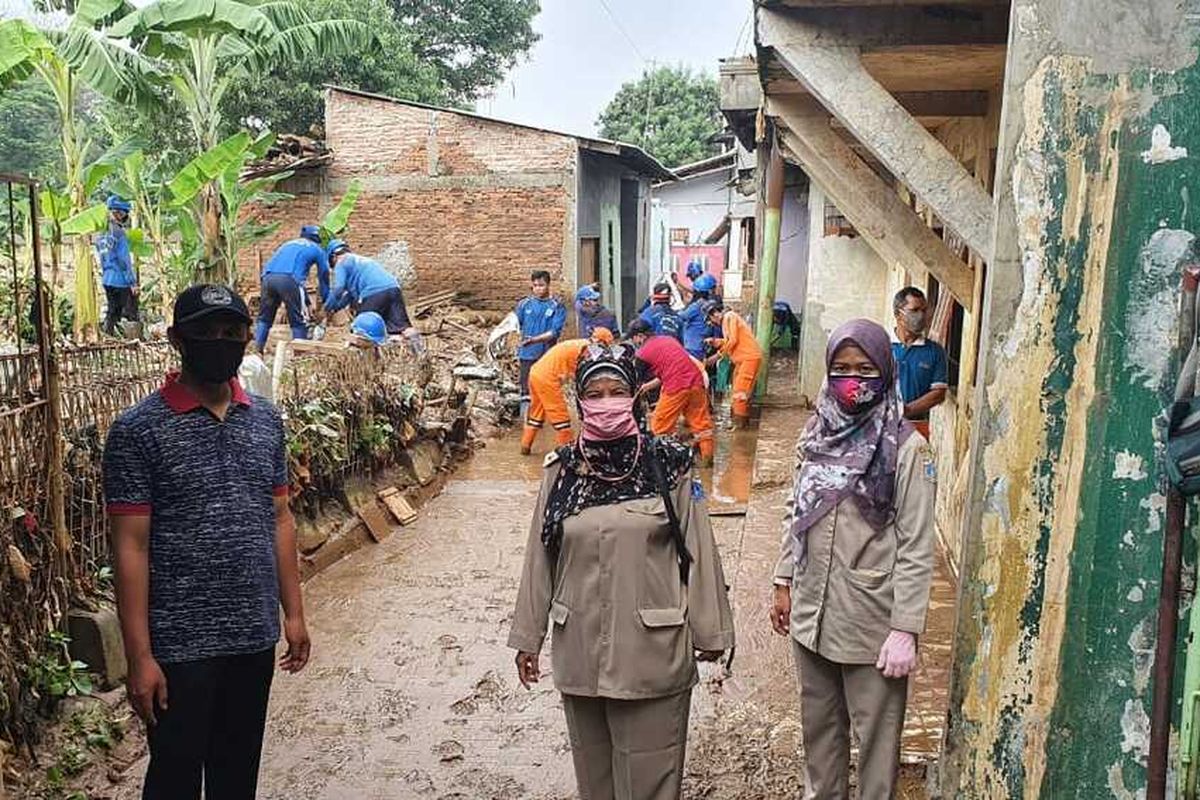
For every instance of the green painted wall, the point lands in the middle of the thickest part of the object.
(1051, 692)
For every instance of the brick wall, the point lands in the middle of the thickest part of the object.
(479, 203)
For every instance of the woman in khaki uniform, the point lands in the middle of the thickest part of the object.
(621, 560)
(852, 582)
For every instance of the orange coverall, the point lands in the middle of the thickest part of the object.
(739, 344)
(683, 391)
(546, 400)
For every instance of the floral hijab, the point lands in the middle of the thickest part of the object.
(845, 455)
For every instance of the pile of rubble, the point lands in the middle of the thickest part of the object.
(461, 347)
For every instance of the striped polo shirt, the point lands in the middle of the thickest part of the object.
(209, 488)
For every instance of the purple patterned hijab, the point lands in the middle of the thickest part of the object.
(851, 455)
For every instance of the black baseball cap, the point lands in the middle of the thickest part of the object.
(206, 299)
(638, 325)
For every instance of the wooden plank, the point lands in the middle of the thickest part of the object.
(398, 505)
(376, 520)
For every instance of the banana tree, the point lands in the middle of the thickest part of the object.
(207, 43)
(67, 57)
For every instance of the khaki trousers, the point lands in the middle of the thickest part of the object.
(628, 749)
(832, 696)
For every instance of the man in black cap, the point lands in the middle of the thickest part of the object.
(196, 485)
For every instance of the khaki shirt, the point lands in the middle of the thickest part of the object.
(625, 626)
(858, 583)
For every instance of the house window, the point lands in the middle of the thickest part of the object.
(680, 235)
(836, 223)
(946, 328)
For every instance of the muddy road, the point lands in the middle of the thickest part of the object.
(411, 692)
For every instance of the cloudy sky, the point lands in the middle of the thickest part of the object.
(586, 53)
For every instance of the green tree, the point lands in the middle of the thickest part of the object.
(471, 43)
(290, 96)
(29, 133)
(672, 113)
(67, 58)
(207, 43)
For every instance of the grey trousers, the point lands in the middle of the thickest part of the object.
(628, 749)
(832, 697)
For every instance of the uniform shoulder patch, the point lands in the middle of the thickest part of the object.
(551, 459)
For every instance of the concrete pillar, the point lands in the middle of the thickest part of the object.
(768, 261)
(1063, 530)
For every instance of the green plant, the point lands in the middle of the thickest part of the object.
(66, 59)
(375, 436)
(338, 217)
(54, 675)
(96, 727)
(317, 436)
(206, 43)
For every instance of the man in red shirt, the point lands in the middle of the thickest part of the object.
(682, 384)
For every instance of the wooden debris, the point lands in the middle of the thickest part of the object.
(727, 511)
(376, 520)
(429, 301)
(18, 565)
(398, 504)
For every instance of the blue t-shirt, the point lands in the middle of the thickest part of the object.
(696, 329)
(355, 278)
(920, 366)
(536, 317)
(663, 320)
(116, 260)
(209, 487)
(296, 258)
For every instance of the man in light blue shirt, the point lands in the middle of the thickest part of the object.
(283, 281)
(364, 283)
(116, 266)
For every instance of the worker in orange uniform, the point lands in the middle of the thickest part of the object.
(738, 344)
(681, 379)
(546, 400)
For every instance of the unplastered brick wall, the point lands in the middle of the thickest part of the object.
(477, 204)
(372, 137)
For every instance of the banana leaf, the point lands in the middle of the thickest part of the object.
(339, 216)
(90, 220)
(208, 166)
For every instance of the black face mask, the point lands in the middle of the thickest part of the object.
(212, 360)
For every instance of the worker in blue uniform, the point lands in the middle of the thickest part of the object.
(659, 315)
(116, 266)
(695, 327)
(541, 317)
(592, 314)
(283, 281)
(359, 281)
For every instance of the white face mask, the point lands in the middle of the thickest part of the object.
(914, 321)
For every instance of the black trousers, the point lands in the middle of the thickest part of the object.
(122, 304)
(388, 304)
(212, 728)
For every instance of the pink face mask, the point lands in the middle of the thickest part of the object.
(608, 418)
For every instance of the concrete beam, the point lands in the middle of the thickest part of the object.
(738, 86)
(896, 25)
(836, 77)
(919, 104)
(879, 3)
(891, 228)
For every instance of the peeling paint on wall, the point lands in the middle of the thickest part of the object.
(1153, 313)
(1161, 151)
(1128, 467)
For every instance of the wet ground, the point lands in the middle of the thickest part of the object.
(411, 691)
